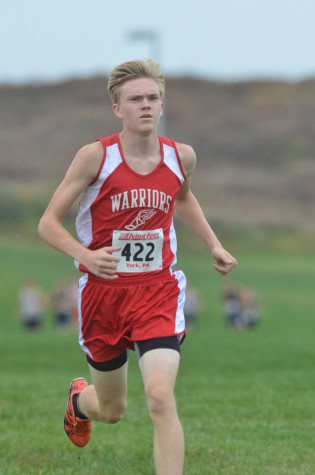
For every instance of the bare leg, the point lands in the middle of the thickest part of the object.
(105, 400)
(159, 370)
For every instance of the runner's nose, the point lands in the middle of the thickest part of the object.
(145, 103)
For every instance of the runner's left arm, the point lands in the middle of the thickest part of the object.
(190, 212)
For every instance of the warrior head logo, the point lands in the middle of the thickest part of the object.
(140, 219)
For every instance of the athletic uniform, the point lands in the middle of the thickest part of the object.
(124, 208)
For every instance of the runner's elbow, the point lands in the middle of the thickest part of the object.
(43, 227)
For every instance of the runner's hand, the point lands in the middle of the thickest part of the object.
(224, 262)
(102, 263)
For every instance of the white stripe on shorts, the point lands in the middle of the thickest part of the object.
(180, 318)
(82, 283)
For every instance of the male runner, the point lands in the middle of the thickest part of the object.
(129, 296)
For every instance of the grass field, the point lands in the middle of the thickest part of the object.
(246, 399)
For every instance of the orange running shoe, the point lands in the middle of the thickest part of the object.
(78, 430)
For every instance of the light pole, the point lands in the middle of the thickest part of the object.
(153, 37)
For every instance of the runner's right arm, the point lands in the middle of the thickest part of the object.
(81, 173)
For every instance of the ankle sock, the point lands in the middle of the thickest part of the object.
(78, 413)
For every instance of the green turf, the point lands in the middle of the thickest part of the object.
(246, 399)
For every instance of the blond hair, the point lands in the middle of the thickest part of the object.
(134, 70)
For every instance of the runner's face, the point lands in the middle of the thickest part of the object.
(140, 106)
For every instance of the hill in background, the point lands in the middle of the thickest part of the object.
(254, 141)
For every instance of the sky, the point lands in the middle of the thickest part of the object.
(229, 40)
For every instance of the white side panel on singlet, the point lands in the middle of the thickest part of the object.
(173, 243)
(170, 159)
(84, 219)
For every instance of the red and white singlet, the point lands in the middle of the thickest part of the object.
(124, 208)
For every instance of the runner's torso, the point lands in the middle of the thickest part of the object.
(122, 207)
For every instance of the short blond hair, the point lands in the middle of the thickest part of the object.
(134, 70)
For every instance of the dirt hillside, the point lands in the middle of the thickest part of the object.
(254, 141)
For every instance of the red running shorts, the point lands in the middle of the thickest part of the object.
(115, 314)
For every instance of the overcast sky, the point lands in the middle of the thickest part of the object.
(51, 40)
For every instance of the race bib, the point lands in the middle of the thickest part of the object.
(141, 251)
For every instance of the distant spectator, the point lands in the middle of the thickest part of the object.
(62, 305)
(73, 293)
(193, 306)
(31, 302)
(241, 306)
(231, 304)
(249, 307)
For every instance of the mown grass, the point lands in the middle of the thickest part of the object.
(246, 399)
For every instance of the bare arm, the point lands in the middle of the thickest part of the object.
(80, 174)
(189, 210)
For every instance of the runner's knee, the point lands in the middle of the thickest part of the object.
(161, 401)
(112, 413)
